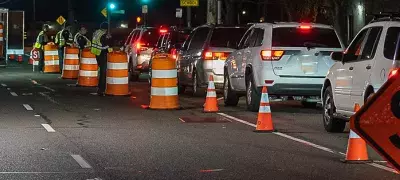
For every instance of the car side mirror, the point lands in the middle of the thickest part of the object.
(337, 56)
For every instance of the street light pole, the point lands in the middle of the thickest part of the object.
(108, 17)
(34, 10)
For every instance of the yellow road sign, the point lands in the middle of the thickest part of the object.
(61, 20)
(104, 12)
(189, 2)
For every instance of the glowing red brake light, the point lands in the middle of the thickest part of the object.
(163, 31)
(140, 47)
(268, 55)
(174, 53)
(208, 55)
(393, 72)
(215, 55)
(305, 27)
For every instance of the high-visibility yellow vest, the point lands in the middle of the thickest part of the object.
(97, 46)
(38, 44)
(60, 38)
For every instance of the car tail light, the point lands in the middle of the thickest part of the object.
(305, 27)
(208, 55)
(140, 47)
(163, 31)
(393, 72)
(174, 53)
(268, 55)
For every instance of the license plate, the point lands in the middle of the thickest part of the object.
(309, 68)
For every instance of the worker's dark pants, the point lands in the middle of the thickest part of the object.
(41, 60)
(102, 62)
(61, 58)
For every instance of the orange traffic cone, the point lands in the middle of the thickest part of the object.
(211, 99)
(356, 148)
(264, 120)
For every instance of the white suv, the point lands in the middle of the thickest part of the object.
(291, 59)
(359, 71)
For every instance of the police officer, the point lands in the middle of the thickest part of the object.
(80, 39)
(100, 48)
(63, 38)
(42, 40)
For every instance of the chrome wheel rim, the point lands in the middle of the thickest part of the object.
(249, 92)
(327, 109)
(226, 88)
(194, 83)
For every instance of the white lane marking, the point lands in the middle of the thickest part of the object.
(13, 94)
(27, 107)
(8, 88)
(308, 143)
(48, 97)
(43, 172)
(82, 162)
(48, 128)
(48, 88)
(4, 85)
(37, 115)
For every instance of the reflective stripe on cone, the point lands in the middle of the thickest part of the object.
(88, 61)
(156, 91)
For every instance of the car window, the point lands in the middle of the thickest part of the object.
(187, 41)
(260, 37)
(354, 49)
(391, 42)
(135, 36)
(244, 38)
(199, 38)
(226, 37)
(178, 37)
(161, 40)
(149, 37)
(371, 43)
(311, 38)
(251, 40)
(128, 39)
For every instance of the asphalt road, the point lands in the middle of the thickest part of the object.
(50, 129)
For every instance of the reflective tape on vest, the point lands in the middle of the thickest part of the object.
(71, 67)
(117, 65)
(51, 53)
(211, 85)
(353, 135)
(119, 80)
(84, 73)
(35, 63)
(264, 98)
(52, 62)
(265, 109)
(168, 91)
(211, 94)
(71, 56)
(88, 61)
(164, 73)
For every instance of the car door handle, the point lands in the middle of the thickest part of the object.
(368, 67)
(351, 68)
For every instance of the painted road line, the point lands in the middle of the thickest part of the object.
(82, 162)
(4, 85)
(48, 97)
(308, 143)
(211, 170)
(34, 82)
(48, 128)
(27, 107)
(9, 89)
(13, 94)
(48, 88)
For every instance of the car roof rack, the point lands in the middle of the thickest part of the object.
(389, 16)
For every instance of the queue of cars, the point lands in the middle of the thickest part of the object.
(305, 62)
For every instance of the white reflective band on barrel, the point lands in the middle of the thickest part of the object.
(71, 67)
(164, 73)
(88, 61)
(265, 109)
(120, 80)
(51, 62)
(211, 85)
(353, 134)
(264, 98)
(1, 30)
(71, 56)
(117, 65)
(211, 94)
(1, 38)
(84, 73)
(169, 91)
(35, 63)
(51, 53)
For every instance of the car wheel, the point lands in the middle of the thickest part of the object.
(331, 123)
(230, 97)
(197, 91)
(253, 95)
(309, 104)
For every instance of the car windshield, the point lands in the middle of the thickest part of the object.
(310, 38)
(150, 37)
(226, 37)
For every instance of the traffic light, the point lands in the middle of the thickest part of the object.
(138, 20)
(145, 1)
(111, 6)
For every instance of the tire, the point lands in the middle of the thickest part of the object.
(230, 96)
(309, 104)
(253, 95)
(331, 124)
(197, 91)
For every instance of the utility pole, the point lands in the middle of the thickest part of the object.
(70, 12)
(219, 12)
(189, 16)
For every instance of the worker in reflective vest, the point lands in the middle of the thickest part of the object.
(80, 39)
(100, 48)
(63, 38)
(42, 40)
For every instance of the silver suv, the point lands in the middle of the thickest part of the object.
(204, 53)
(291, 59)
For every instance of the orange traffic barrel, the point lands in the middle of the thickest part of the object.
(1, 39)
(51, 60)
(88, 69)
(164, 83)
(71, 63)
(117, 74)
